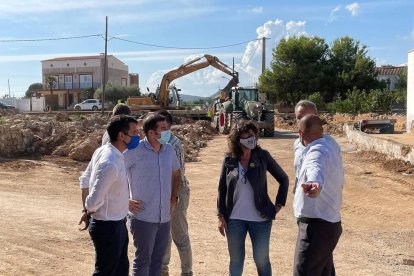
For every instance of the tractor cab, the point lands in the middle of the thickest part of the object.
(240, 96)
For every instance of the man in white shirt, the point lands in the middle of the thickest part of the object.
(317, 200)
(119, 109)
(303, 108)
(107, 202)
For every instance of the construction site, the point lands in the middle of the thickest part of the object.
(47, 141)
(43, 156)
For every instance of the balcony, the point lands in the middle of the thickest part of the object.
(77, 86)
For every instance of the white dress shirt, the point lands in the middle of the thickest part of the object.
(108, 184)
(322, 163)
(298, 149)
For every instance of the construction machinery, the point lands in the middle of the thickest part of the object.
(167, 96)
(243, 103)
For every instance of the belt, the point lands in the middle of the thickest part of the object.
(311, 220)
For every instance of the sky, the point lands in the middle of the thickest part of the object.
(385, 27)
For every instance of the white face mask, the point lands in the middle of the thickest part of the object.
(249, 143)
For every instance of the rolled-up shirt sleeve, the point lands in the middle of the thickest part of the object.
(85, 177)
(106, 175)
(315, 166)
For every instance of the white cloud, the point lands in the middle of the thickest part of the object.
(275, 30)
(257, 10)
(353, 8)
(332, 16)
(251, 10)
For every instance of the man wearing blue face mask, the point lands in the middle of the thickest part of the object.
(179, 224)
(107, 201)
(154, 173)
(119, 109)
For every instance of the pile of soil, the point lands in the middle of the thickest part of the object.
(387, 163)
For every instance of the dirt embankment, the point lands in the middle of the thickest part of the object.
(334, 122)
(78, 136)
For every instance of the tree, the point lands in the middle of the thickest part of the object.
(298, 69)
(402, 80)
(33, 87)
(351, 66)
(87, 93)
(50, 83)
(118, 93)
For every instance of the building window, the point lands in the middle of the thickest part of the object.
(68, 82)
(123, 82)
(51, 65)
(85, 81)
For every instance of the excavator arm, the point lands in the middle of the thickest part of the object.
(190, 67)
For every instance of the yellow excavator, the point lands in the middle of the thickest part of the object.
(167, 96)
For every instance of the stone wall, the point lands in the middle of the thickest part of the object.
(367, 142)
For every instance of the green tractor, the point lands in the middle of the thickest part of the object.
(243, 103)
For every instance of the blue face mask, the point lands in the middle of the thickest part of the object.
(134, 142)
(165, 137)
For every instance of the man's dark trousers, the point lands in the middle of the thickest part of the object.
(316, 242)
(110, 239)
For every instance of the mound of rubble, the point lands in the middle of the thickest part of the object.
(78, 136)
(334, 122)
(194, 135)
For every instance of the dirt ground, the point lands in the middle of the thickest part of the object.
(40, 206)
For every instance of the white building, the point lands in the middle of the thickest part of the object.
(390, 75)
(410, 92)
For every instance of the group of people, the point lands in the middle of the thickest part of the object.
(141, 181)
(147, 179)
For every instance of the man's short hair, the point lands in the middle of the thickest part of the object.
(167, 115)
(306, 104)
(150, 123)
(121, 109)
(119, 123)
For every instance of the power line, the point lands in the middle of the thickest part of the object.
(257, 46)
(182, 48)
(49, 39)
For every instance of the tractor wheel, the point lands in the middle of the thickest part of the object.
(237, 116)
(223, 122)
(269, 117)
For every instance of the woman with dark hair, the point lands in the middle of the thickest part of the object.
(243, 204)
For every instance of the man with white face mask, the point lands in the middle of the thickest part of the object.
(154, 173)
(179, 224)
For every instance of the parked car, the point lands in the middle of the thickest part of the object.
(6, 106)
(91, 104)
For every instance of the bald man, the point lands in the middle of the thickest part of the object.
(303, 108)
(317, 200)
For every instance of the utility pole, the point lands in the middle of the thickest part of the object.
(105, 65)
(8, 82)
(263, 54)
